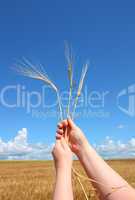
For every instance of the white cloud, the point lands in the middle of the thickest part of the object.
(132, 142)
(117, 149)
(120, 126)
(19, 148)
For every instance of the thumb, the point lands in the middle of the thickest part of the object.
(71, 123)
(57, 143)
(63, 142)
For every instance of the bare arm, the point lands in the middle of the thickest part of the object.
(112, 186)
(63, 185)
(63, 164)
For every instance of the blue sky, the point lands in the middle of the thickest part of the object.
(101, 31)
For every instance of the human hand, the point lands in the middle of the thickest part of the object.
(73, 134)
(62, 154)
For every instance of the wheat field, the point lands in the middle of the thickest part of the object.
(34, 180)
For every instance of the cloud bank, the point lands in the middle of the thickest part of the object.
(116, 149)
(20, 149)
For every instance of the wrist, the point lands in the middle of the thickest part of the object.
(64, 165)
(83, 148)
(65, 171)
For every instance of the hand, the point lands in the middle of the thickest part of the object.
(73, 134)
(62, 154)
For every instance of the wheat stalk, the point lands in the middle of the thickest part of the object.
(83, 74)
(26, 68)
(85, 194)
(69, 58)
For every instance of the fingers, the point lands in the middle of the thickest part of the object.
(63, 128)
(63, 124)
(62, 138)
(58, 137)
(60, 131)
(57, 144)
(70, 123)
(60, 125)
(64, 143)
(60, 141)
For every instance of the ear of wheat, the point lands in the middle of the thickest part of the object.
(69, 58)
(83, 74)
(26, 68)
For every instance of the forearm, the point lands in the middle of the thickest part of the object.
(63, 185)
(97, 169)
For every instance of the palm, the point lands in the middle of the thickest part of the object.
(75, 137)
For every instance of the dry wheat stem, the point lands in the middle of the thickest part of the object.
(83, 74)
(78, 179)
(80, 183)
(26, 68)
(60, 106)
(86, 197)
(70, 71)
(69, 58)
(113, 188)
(88, 179)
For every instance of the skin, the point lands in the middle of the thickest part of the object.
(95, 167)
(63, 164)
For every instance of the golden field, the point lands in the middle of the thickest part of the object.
(34, 180)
